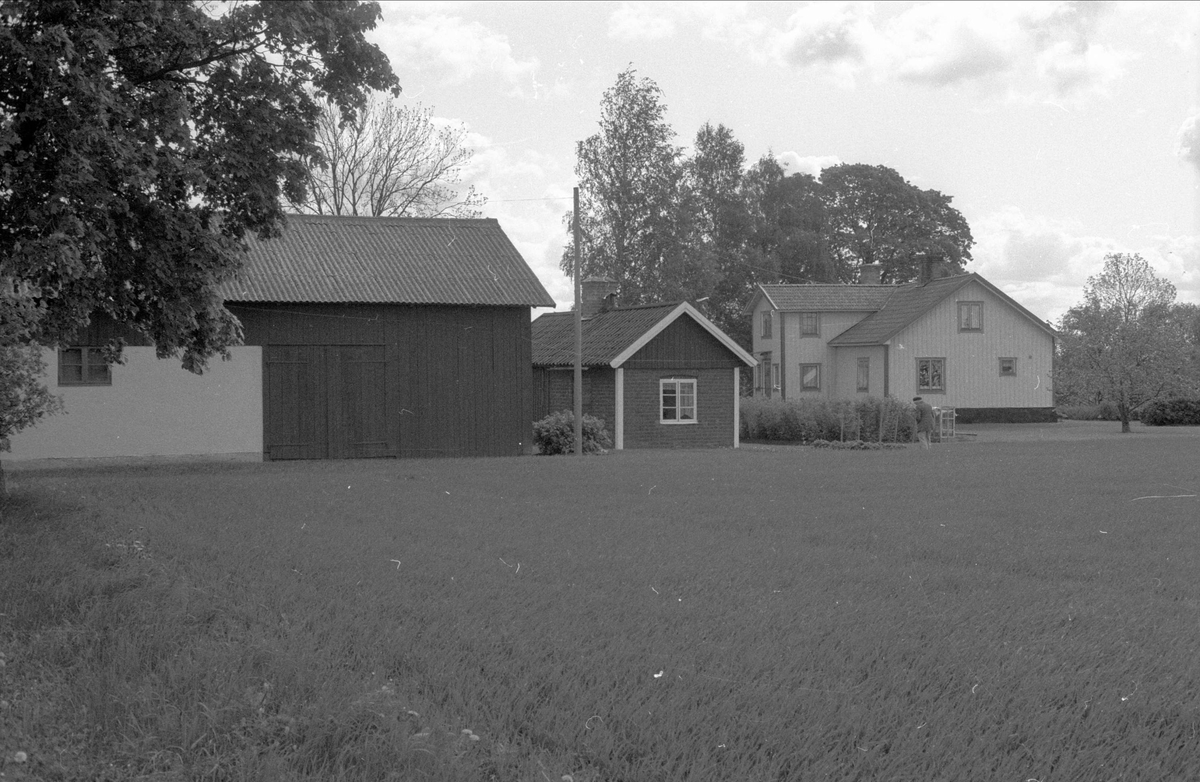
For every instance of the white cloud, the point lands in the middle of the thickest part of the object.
(795, 163)
(456, 50)
(1045, 264)
(1071, 71)
(836, 36)
(1187, 141)
(639, 22)
(524, 195)
(1044, 51)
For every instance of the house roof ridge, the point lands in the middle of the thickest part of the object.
(390, 220)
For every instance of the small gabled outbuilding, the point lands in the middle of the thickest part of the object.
(364, 337)
(659, 375)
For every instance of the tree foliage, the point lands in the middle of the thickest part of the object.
(630, 196)
(1126, 342)
(390, 160)
(667, 225)
(875, 216)
(140, 141)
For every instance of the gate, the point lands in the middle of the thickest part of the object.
(325, 401)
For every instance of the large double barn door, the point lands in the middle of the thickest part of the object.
(325, 402)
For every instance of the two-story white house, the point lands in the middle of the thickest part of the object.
(955, 339)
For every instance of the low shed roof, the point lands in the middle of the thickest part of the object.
(388, 260)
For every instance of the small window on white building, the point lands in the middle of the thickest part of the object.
(931, 375)
(864, 374)
(970, 316)
(1008, 367)
(810, 377)
(767, 319)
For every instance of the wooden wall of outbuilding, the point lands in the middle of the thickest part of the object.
(457, 380)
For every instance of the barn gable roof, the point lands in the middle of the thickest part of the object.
(388, 260)
(612, 337)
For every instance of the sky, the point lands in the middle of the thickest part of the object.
(1062, 131)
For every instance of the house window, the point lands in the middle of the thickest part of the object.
(810, 324)
(864, 375)
(775, 376)
(762, 372)
(678, 398)
(810, 377)
(766, 324)
(970, 316)
(931, 375)
(1008, 367)
(83, 367)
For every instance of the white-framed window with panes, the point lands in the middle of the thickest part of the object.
(677, 400)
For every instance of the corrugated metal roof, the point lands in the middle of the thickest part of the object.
(388, 260)
(604, 336)
(828, 298)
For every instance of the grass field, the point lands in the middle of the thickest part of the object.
(984, 611)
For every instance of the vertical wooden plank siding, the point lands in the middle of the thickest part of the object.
(972, 358)
(404, 380)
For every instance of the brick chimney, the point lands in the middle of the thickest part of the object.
(932, 267)
(599, 295)
(870, 274)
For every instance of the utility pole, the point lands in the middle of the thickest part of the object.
(578, 335)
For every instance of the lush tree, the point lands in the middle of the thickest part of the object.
(719, 221)
(630, 197)
(390, 160)
(873, 215)
(24, 400)
(1125, 341)
(140, 141)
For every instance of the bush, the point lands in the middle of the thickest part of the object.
(555, 434)
(1180, 411)
(810, 420)
(1105, 411)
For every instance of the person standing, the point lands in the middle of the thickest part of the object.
(924, 421)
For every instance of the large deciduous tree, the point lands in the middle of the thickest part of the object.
(1125, 341)
(875, 216)
(390, 160)
(630, 178)
(140, 141)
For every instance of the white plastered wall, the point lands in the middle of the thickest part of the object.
(154, 408)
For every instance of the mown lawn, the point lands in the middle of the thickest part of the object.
(1006, 611)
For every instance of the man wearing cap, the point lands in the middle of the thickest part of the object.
(924, 421)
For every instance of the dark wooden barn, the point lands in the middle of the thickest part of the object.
(390, 337)
(659, 375)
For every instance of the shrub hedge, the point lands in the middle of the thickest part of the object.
(869, 419)
(555, 434)
(1179, 411)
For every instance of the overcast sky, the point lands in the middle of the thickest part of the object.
(1062, 131)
